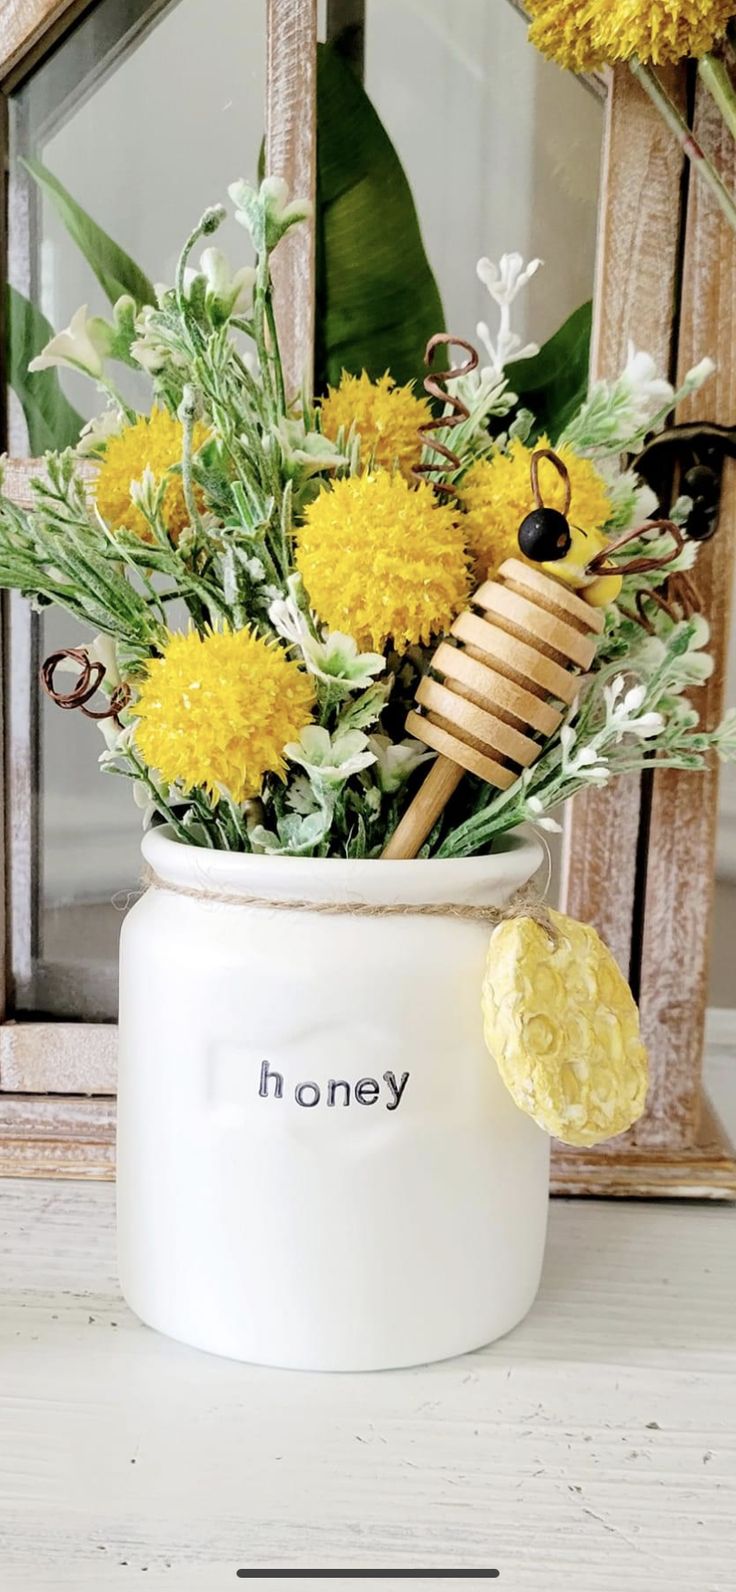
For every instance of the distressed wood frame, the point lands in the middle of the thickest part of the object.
(666, 276)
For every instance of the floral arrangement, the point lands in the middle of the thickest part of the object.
(265, 578)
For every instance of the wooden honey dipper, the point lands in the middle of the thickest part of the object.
(519, 649)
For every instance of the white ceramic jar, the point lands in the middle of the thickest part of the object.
(318, 1164)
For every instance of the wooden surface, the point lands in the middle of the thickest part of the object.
(59, 1136)
(29, 28)
(291, 152)
(592, 1449)
(61, 1058)
(683, 814)
(634, 299)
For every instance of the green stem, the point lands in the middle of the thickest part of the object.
(187, 415)
(715, 75)
(275, 350)
(677, 125)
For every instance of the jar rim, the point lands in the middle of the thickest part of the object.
(486, 879)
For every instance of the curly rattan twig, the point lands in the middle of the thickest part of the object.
(642, 565)
(436, 386)
(679, 600)
(89, 680)
(562, 471)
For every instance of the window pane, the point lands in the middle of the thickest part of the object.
(502, 151)
(145, 114)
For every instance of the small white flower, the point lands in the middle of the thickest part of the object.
(274, 195)
(647, 392)
(634, 698)
(330, 761)
(150, 350)
(97, 432)
(536, 812)
(396, 760)
(83, 345)
(333, 659)
(505, 280)
(267, 214)
(632, 501)
(232, 291)
(697, 375)
(622, 710)
(585, 763)
(308, 452)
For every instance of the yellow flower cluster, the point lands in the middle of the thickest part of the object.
(497, 496)
(383, 561)
(562, 1025)
(216, 712)
(386, 417)
(585, 37)
(155, 442)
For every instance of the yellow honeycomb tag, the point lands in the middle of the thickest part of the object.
(562, 1025)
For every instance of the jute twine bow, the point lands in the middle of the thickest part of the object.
(524, 903)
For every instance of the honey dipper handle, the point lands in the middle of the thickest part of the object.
(442, 779)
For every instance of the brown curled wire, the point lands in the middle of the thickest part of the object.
(89, 680)
(680, 599)
(638, 566)
(562, 471)
(435, 385)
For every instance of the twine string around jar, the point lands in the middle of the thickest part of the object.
(525, 902)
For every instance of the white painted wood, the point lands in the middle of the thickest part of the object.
(593, 1448)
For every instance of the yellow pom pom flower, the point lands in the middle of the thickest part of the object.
(386, 417)
(155, 442)
(599, 32)
(497, 495)
(215, 712)
(562, 1025)
(383, 561)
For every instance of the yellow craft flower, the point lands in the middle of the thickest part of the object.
(153, 441)
(596, 33)
(216, 712)
(383, 561)
(562, 1025)
(387, 418)
(497, 495)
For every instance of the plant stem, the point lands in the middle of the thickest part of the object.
(275, 351)
(685, 138)
(187, 413)
(714, 73)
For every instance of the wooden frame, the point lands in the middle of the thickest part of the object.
(639, 857)
(666, 278)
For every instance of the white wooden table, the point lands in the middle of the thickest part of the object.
(593, 1449)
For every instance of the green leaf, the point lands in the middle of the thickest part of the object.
(554, 382)
(377, 300)
(51, 420)
(114, 269)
